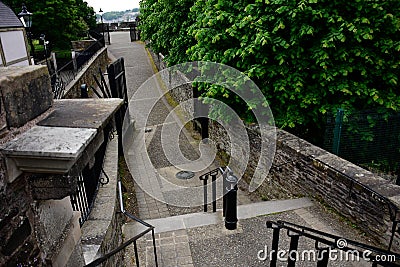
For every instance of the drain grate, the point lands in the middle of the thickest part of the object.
(185, 175)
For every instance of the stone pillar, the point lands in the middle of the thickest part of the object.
(58, 231)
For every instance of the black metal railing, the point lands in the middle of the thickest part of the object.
(133, 240)
(205, 177)
(229, 182)
(352, 184)
(326, 245)
(96, 34)
(80, 201)
(89, 181)
(84, 56)
(67, 73)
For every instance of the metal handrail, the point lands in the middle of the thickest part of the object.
(67, 73)
(393, 209)
(131, 240)
(333, 241)
(204, 178)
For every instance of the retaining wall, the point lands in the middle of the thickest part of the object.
(99, 60)
(303, 169)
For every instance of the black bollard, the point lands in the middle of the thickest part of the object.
(230, 205)
(84, 91)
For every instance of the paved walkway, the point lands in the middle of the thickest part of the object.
(151, 148)
(185, 235)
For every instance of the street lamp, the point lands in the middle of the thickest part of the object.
(26, 17)
(102, 24)
(45, 43)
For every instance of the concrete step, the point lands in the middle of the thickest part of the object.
(193, 220)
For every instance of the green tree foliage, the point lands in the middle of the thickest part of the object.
(307, 56)
(113, 15)
(117, 15)
(166, 27)
(60, 20)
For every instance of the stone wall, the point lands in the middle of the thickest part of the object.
(82, 44)
(303, 169)
(33, 98)
(103, 228)
(176, 83)
(19, 244)
(19, 110)
(306, 170)
(36, 231)
(100, 60)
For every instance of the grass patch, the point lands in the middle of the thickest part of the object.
(128, 188)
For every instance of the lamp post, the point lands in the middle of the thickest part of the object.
(102, 24)
(45, 43)
(26, 17)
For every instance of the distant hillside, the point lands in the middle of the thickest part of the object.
(116, 16)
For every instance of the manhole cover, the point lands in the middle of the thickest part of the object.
(185, 175)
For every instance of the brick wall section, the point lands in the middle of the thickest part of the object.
(306, 170)
(100, 60)
(19, 244)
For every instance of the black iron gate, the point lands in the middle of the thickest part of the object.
(107, 37)
(133, 33)
(89, 180)
(117, 81)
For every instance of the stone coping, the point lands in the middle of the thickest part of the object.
(50, 142)
(61, 139)
(82, 113)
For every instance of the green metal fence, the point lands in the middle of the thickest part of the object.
(366, 138)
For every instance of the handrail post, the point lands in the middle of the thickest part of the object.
(230, 205)
(224, 190)
(214, 191)
(323, 257)
(275, 243)
(205, 178)
(294, 243)
(154, 247)
(136, 253)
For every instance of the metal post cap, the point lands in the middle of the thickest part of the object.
(231, 178)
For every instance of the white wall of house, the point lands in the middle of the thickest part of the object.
(13, 48)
